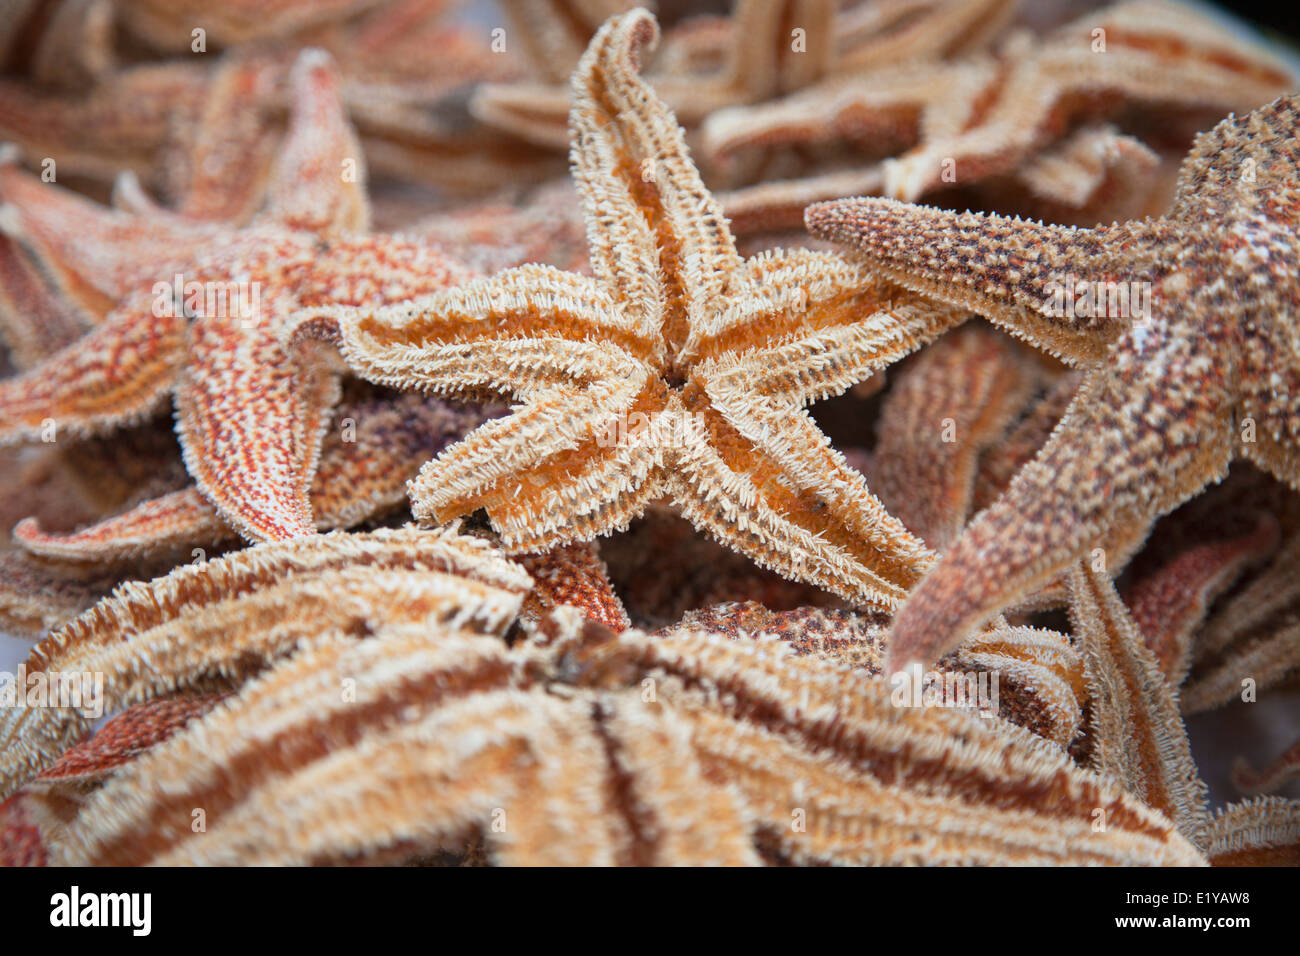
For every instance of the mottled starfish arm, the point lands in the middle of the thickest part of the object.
(1170, 606)
(572, 576)
(1093, 479)
(1284, 768)
(250, 459)
(319, 180)
(954, 401)
(34, 321)
(1136, 729)
(115, 374)
(177, 520)
(220, 173)
(93, 255)
(1020, 274)
(366, 460)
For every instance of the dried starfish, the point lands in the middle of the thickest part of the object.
(1136, 728)
(229, 616)
(374, 447)
(680, 370)
(1140, 738)
(586, 747)
(1170, 605)
(1040, 676)
(250, 414)
(1252, 639)
(987, 115)
(1172, 395)
(771, 48)
(956, 399)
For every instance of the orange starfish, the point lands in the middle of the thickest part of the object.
(679, 370)
(250, 412)
(1197, 366)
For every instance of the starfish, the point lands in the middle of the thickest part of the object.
(250, 413)
(212, 619)
(1252, 636)
(691, 748)
(374, 446)
(770, 47)
(1040, 676)
(969, 119)
(956, 399)
(1139, 737)
(407, 106)
(1171, 605)
(1207, 372)
(679, 370)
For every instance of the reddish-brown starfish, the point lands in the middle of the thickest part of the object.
(1186, 324)
(250, 412)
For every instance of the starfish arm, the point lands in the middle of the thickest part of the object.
(465, 339)
(121, 124)
(251, 419)
(35, 322)
(35, 597)
(1138, 440)
(221, 172)
(1268, 417)
(565, 466)
(1263, 831)
(95, 256)
(657, 235)
(179, 520)
(1284, 768)
(572, 576)
(766, 482)
(956, 399)
(1170, 605)
(788, 296)
(114, 375)
(1021, 275)
(319, 181)
(203, 619)
(808, 325)
(1136, 729)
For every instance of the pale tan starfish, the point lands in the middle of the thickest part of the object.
(1138, 736)
(583, 747)
(680, 370)
(229, 616)
(1193, 366)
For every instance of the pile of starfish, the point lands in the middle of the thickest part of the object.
(412, 500)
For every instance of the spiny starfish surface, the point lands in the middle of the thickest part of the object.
(679, 370)
(1195, 365)
(250, 413)
(593, 748)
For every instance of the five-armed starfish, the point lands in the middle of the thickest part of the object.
(679, 370)
(250, 413)
(1208, 372)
